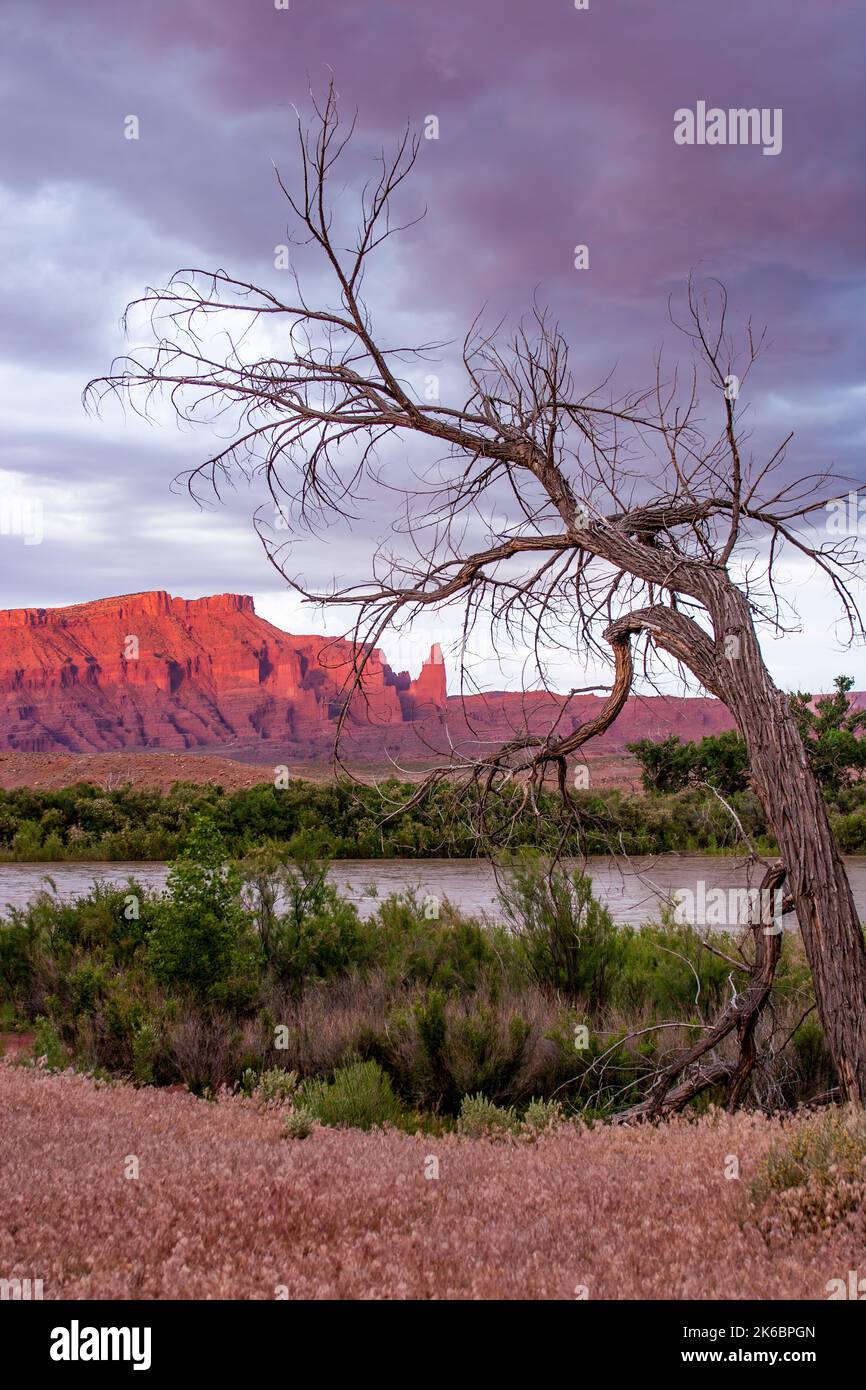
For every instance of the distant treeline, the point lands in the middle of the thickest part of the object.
(356, 822)
(682, 808)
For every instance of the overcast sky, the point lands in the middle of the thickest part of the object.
(555, 129)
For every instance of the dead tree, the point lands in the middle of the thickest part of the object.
(630, 520)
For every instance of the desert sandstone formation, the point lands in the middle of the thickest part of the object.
(151, 671)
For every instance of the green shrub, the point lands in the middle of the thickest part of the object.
(446, 953)
(321, 945)
(542, 1115)
(202, 938)
(307, 931)
(27, 842)
(480, 1119)
(442, 1047)
(16, 962)
(359, 1097)
(86, 986)
(668, 968)
(145, 1050)
(569, 940)
(48, 1046)
(275, 1086)
(817, 1176)
(298, 1124)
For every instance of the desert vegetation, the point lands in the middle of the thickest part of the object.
(90, 822)
(257, 968)
(679, 811)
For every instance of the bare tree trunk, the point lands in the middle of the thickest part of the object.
(797, 816)
(768, 949)
(729, 663)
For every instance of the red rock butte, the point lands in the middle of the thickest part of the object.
(152, 671)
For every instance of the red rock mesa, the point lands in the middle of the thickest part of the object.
(151, 671)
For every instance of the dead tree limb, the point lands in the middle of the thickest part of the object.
(629, 517)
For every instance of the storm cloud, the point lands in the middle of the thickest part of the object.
(555, 128)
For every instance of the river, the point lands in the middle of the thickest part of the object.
(631, 889)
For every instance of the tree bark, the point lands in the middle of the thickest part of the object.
(730, 665)
(693, 1071)
(797, 817)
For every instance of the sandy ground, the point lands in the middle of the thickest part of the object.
(109, 1191)
(51, 771)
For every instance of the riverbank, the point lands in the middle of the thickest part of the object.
(347, 821)
(230, 977)
(88, 823)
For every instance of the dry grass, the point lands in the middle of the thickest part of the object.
(224, 1207)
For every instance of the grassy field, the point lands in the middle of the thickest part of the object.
(225, 1207)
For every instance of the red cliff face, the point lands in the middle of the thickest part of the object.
(152, 671)
(149, 670)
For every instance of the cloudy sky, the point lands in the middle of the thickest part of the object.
(555, 129)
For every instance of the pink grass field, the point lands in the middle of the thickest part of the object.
(225, 1208)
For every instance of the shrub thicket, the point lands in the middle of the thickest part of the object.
(258, 975)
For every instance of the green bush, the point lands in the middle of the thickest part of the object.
(306, 930)
(145, 1050)
(16, 961)
(202, 938)
(449, 952)
(817, 1176)
(275, 1086)
(86, 987)
(48, 1046)
(359, 1097)
(320, 945)
(542, 1115)
(480, 1119)
(569, 940)
(298, 1124)
(670, 765)
(669, 969)
(441, 1047)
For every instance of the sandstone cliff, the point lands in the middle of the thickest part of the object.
(151, 671)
